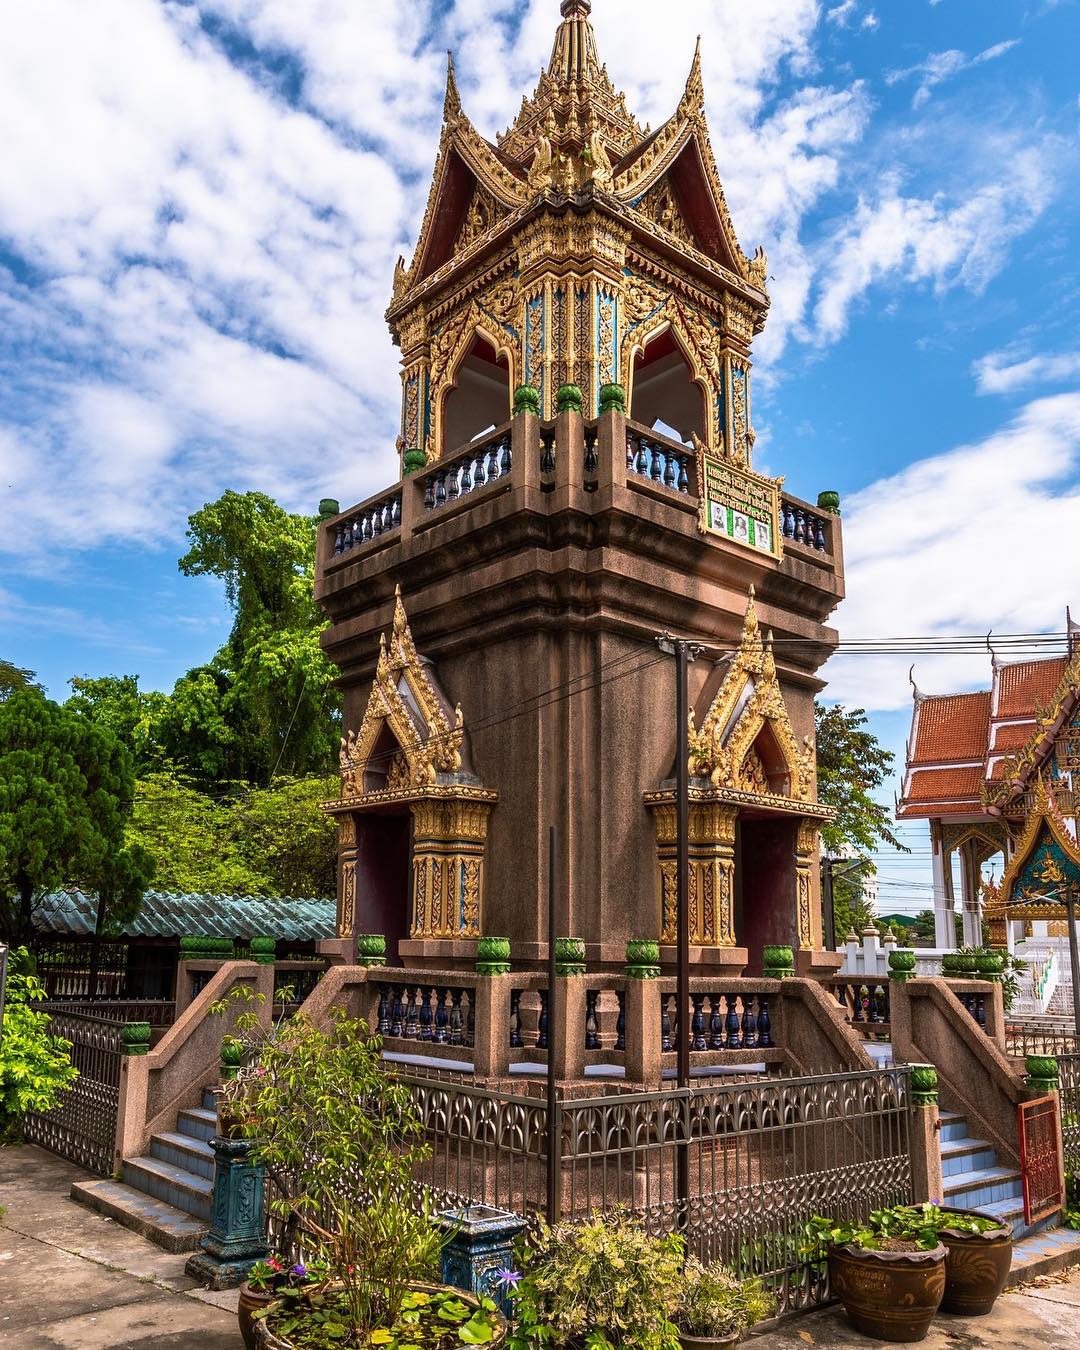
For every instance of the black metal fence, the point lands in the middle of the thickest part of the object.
(82, 1125)
(1041, 1037)
(1069, 1082)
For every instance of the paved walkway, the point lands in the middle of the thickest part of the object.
(74, 1280)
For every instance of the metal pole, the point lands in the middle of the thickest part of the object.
(682, 915)
(828, 911)
(554, 1133)
(3, 983)
(1074, 958)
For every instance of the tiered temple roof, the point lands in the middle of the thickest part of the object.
(968, 752)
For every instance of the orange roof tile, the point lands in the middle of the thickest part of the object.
(926, 810)
(1008, 739)
(1023, 685)
(935, 785)
(952, 727)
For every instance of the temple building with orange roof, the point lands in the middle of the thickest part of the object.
(979, 767)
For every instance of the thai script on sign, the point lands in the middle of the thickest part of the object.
(740, 505)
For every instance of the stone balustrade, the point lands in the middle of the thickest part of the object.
(663, 461)
(485, 461)
(802, 524)
(373, 519)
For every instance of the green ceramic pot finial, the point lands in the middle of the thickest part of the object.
(526, 400)
(924, 1085)
(232, 1056)
(777, 963)
(829, 501)
(370, 949)
(1042, 1073)
(135, 1038)
(493, 956)
(263, 950)
(569, 398)
(642, 959)
(612, 398)
(412, 461)
(569, 956)
(901, 965)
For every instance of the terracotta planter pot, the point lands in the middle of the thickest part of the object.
(708, 1342)
(976, 1268)
(890, 1295)
(266, 1340)
(251, 1302)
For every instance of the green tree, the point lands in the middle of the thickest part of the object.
(284, 831)
(273, 685)
(13, 678)
(35, 1066)
(196, 840)
(117, 703)
(66, 790)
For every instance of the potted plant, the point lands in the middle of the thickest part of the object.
(714, 1307)
(978, 1256)
(267, 1281)
(600, 1285)
(890, 1279)
(340, 1139)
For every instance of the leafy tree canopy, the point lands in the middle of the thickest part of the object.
(116, 703)
(13, 678)
(852, 765)
(66, 790)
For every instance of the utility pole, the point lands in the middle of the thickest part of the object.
(829, 873)
(554, 1125)
(1074, 958)
(684, 654)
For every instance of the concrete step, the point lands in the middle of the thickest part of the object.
(985, 1186)
(1043, 1253)
(952, 1126)
(209, 1100)
(966, 1155)
(163, 1224)
(175, 1186)
(194, 1155)
(197, 1122)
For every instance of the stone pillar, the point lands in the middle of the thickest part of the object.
(237, 1236)
(928, 1182)
(642, 1056)
(969, 874)
(944, 924)
(491, 1038)
(449, 839)
(346, 907)
(712, 872)
(808, 915)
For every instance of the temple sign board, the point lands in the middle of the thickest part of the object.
(739, 505)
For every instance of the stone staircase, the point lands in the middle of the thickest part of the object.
(974, 1180)
(166, 1194)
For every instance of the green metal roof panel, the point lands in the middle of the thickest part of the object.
(73, 913)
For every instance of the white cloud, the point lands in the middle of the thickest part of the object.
(981, 537)
(941, 66)
(1003, 373)
(946, 241)
(842, 14)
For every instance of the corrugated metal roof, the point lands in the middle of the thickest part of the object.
(73, 913)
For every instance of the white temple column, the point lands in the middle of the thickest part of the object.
(969, 877)
(944, 924)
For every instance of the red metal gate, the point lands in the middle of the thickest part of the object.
(1040, 1158)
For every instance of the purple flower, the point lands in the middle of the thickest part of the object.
(300, 1270)
(511, 1278)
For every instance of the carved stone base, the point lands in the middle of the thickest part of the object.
(237, 1236)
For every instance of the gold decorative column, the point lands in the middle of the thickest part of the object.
(807, 852)
(346, 913)
(449, 835)
(712, 872)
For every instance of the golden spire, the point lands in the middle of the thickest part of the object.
(573, 57)
(452, 101)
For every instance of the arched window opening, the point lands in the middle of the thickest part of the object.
(665, 396)
(480, 400)
(765, 769)
(385, 761)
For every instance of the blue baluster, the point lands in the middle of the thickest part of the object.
(397, 1016)
(542, 1024)
(429, 493)
(749, 1023)
(452, 484)
(631, 452)
(506, 459)
(671, 476)
(412, 1013)
(684, 476)
(395, 513)
(466, 476)
(492, 464)
(697, 1026)
(643, 457)
(480, 476)
(789, 521)
(666, 1043)
(383, 1015)
(440, 488)
(764, 1024)
(733, 1041)
(441, 1018)
(339, 541)
(620, 1025)
(426, 1032)
(456, 1025)
(800, 526)
(819, 534)
(515, 1019)
(716, 1023)
(656, 472)
(592, 1037)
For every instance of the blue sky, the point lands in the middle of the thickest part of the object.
(202, 202)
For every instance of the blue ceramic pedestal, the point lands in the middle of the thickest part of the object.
(481, 1244)
(237, 1236)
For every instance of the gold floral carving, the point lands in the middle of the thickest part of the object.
(1045, 815)
(712, 868)
(347, 915)
(748, 701)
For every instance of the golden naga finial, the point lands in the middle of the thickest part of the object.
(452, 101)
(693, 99)
(758, 268)
(751, 633)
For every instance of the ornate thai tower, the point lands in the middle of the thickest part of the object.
(576, 440)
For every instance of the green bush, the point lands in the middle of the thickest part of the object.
(601, 1284)
(35, 1066)
(713, 1302)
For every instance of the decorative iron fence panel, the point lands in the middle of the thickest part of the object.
(1041, 1037)
(82, 1125)
(1069, 1088)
